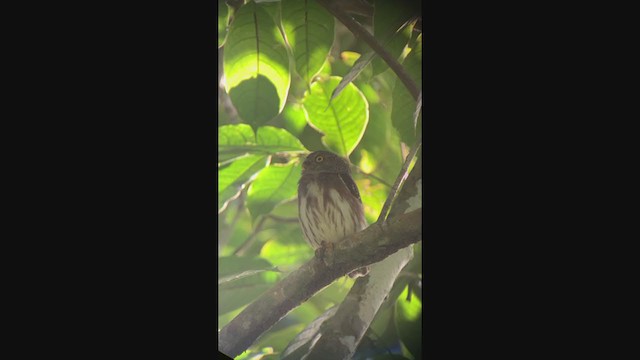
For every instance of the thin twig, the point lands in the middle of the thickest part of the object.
(358, 30)
(245, 245)
(226, 232)
(404, 172)
(357, 7)
(360, 171)
(249, 241)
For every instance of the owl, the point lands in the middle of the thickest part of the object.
(329, 204)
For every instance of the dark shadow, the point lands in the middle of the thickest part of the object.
(256, 100)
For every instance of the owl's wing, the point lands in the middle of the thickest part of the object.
(350, 184)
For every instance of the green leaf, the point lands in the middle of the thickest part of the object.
(273, 140)
(256, 65)
(359, 65)
(404, 106)
(309, 29)
(373, 196)
(343, 121)
(233, 177)
(235, 293)
(264, 353)
(237, 140)
(279, 339)
(274, 184)
(295, 118)
(301, 344)
(232, 299)
(233, 265)
(243, 272)
(408, 318)
(223, 18)
(381, 141)
(391, 27)
(284, 255)
(232, 137)
(382, 325)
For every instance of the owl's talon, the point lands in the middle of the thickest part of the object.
(324, 251)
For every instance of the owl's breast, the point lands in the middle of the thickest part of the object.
(327, 210)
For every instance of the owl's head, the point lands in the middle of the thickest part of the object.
(325, 162)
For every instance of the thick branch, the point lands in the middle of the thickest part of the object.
(368, 246)
(334, 8)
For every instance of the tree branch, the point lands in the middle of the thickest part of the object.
(335, 9)
(368, 246)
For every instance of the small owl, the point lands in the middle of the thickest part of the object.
(329, 205)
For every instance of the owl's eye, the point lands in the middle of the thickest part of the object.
(319, 158)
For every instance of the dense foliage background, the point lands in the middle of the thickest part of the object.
(280, 65)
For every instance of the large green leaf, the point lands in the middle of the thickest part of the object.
(343, 121)
(236, 140)
(256, 65)
(233, 177)
(408, 317)
(404, 106)
(274, 184)
(388, 19)
(309, 30)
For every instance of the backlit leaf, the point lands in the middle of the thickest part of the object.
(342, 122)
(233, 177)
(309, 30)
(289, 254)
(358, 66)
(295, 118)
(404, 106)
(237, 140)
(408, 318)
(388, 21)
(274, 184)
(256, 65)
